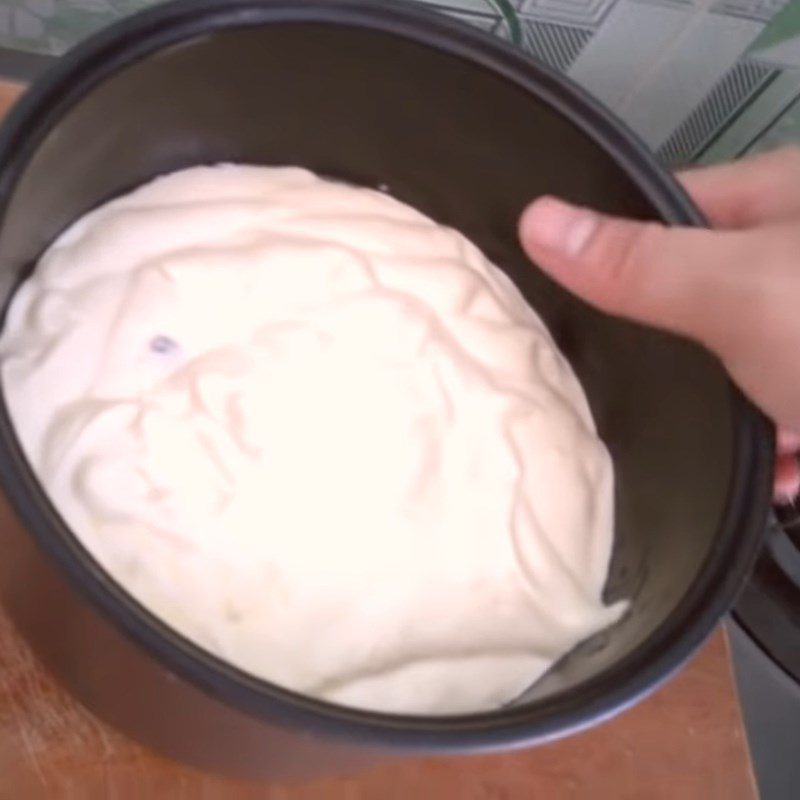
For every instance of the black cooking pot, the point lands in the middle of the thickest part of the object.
(467, 130)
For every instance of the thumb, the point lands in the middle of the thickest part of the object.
(645, 271)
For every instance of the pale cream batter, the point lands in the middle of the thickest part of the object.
(318, 434)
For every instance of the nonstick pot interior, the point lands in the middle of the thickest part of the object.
(468, 132)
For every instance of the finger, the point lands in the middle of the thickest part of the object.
(787, 442)
(787, 479)
(749, 192)
(676, 278)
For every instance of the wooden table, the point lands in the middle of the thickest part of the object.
(686, 742)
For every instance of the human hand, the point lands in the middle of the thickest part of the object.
(735, 289)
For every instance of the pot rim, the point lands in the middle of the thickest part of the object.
(739, 533)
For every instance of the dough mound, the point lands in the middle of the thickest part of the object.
(318, 434)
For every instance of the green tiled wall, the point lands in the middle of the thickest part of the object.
(698, 79)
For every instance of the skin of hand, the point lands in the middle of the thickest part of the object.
(735, 289)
